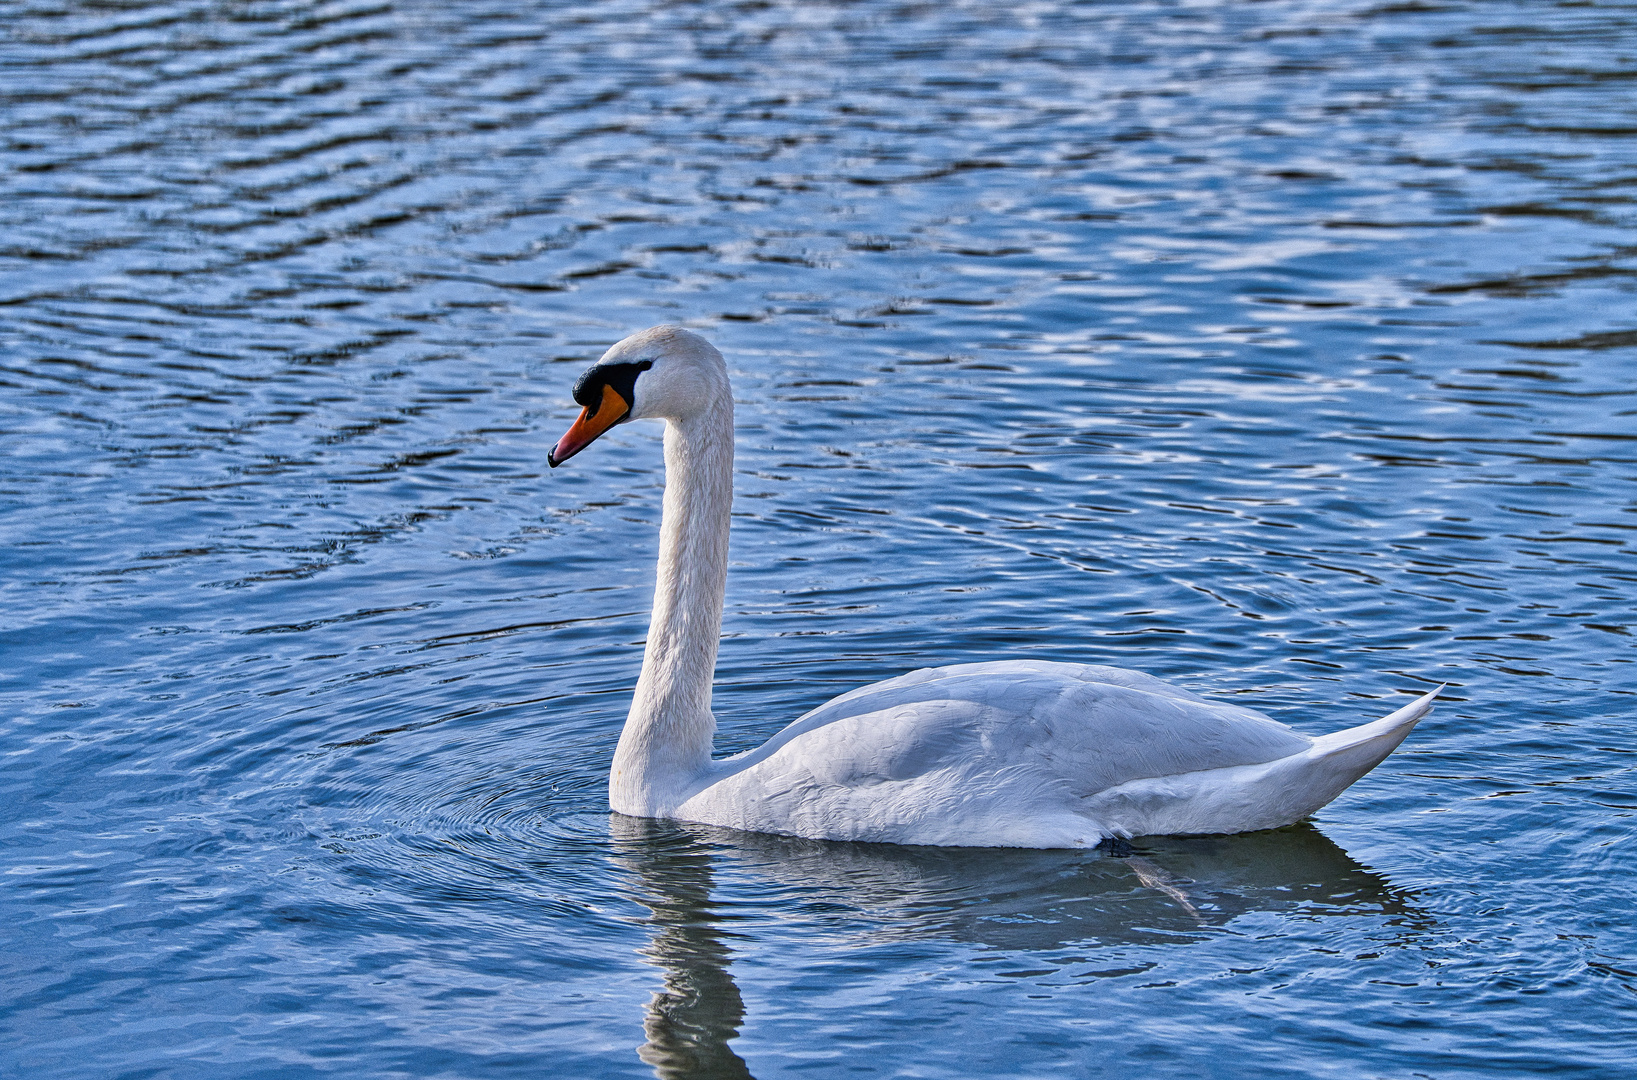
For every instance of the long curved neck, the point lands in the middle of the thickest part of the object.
(666, 743)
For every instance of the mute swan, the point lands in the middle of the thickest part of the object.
(1013, 753)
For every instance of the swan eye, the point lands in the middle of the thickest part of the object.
(588, 388)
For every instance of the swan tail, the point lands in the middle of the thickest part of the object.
(1243, 798)
(1349, 754)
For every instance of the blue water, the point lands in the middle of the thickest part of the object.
(1284, 350)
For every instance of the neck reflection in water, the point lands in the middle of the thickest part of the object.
(691, 1020)
(1166, 891)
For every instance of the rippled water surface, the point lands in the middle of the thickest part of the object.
(1284, 350)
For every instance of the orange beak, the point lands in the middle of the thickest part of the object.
(610, 411)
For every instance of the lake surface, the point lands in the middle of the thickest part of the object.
(1284, 350)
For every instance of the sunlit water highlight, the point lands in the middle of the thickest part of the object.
(1284, 350)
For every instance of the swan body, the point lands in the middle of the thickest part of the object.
(1015, 753)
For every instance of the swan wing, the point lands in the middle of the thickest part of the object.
(997, 753)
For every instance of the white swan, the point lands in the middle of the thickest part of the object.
(1015, 753)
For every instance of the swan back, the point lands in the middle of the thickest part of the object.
(1092, 726)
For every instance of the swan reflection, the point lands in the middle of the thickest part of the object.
(690, 1021)
(1166, 891)
(1169, 887)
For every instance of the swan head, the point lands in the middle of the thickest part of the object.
(663, 373)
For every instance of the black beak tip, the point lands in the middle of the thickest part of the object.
(551, 459)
